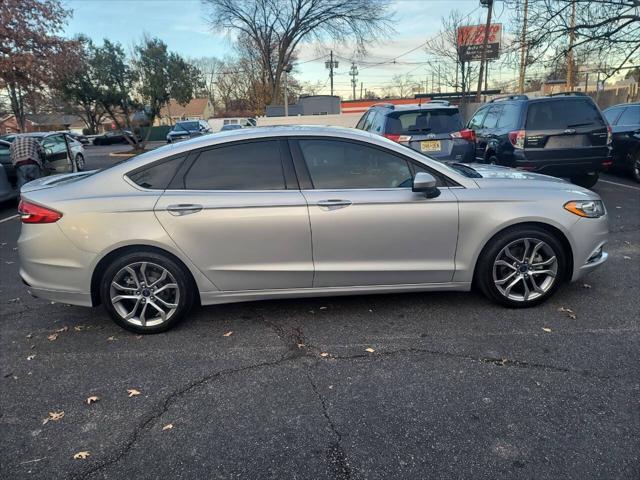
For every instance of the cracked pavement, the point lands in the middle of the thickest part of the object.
(456, 387)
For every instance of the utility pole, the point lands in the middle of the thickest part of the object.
(572, 34)
(331, 64)
(287, 69)
(361, 86)
(489, 4)
(354, 74)
(523, 48)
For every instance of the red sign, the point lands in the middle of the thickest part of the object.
(471, 39)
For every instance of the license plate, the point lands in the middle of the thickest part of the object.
(430, 146)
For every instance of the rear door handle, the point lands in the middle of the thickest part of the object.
(334, 204)
(183, 209)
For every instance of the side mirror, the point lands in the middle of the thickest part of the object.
(426, 183)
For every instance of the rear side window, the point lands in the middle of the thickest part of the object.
(476, 121)
(360, 124)
(561, 114)
(334, 164)
(510, 116)
(424, 121)
(246, 166)
(158, 176)
(631, 116)
(612, 113)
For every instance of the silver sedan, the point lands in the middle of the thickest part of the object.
(298, 212)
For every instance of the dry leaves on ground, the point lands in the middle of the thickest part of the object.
(228, 334)
(52, 337)
(547, 329)
(324, 354)
(92, 399)
(110, 339)
(31, 357)
(570, 313)
(370, 350)
(81, 455)
(586, 285)
(62, 329)
(53, 417)
(168, 426)
(132, 392)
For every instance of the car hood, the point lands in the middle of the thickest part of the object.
(54, 180)
(499, 172)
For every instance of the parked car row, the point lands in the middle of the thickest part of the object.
(563, 135)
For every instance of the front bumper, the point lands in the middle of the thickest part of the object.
(590, 236)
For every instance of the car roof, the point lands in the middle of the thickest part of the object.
(406, 108)
(622, 105)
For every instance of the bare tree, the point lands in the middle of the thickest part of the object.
(403, 85)
(608, 28)
(277, 27)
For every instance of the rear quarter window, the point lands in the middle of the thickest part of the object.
(157, 176)
(631, 116)
(559, 114)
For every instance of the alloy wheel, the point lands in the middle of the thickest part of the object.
(144, 294)
(525, 269)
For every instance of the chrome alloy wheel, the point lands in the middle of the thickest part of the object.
(144, 294)
(525, 269)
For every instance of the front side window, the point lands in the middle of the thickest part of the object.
(246, 166)
(335, 164)
(491, 120)
(476, 121)
(54, 144)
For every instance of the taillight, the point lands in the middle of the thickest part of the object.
(517, 138)
(398, 138)
(609, 135)
(465, 134)
(32, 213)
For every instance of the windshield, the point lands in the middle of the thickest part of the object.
(424, 121)
(185, 126)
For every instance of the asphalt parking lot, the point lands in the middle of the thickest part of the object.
(440, 385)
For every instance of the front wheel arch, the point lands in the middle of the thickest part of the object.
(104, 262)
(550, 229)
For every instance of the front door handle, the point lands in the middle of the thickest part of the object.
(334, 204)
(183, 209)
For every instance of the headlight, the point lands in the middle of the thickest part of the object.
(586, 208)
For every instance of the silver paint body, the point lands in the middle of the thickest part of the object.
(247, 245)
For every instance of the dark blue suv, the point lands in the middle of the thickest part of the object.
(563, 135)
(433, 128)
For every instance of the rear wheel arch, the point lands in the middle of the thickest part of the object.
(105, 261)
(550, 229)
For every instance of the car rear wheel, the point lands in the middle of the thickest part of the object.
(586, 181)
(146, 292)
(521, 267)
(635, 166)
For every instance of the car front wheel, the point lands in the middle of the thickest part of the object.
(586, 181)
(146, 292)
(521, 267)
(80, 162)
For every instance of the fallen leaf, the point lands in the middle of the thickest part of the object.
(370, 350)
(138, 337)
(570, 313)
(79, 328)
(228, 334)
(627, 257)
(546, 329)
(132, 392)
(503, 361)
(110, 339)
(323, 308)
(301, 345)
(60, 330)
(9, 263)
(168, 426)
(586, 285)
(31, 357)
(92, 399)
(52, 337)
(30, 335)
(324, 354)
(53, 417)
(81, 455)
(13, 300)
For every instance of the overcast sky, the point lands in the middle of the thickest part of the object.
(182, 25)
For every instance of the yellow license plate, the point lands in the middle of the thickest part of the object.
(430, 146)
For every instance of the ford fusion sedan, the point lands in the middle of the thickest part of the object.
(282, 212)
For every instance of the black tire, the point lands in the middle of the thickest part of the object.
(484, 275)
(586, 181)
(80, 162)
(635, 166)
(155, 263)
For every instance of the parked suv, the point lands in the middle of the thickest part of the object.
(433, 128)
(188, 129)
(625, 124)
(564, 135)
